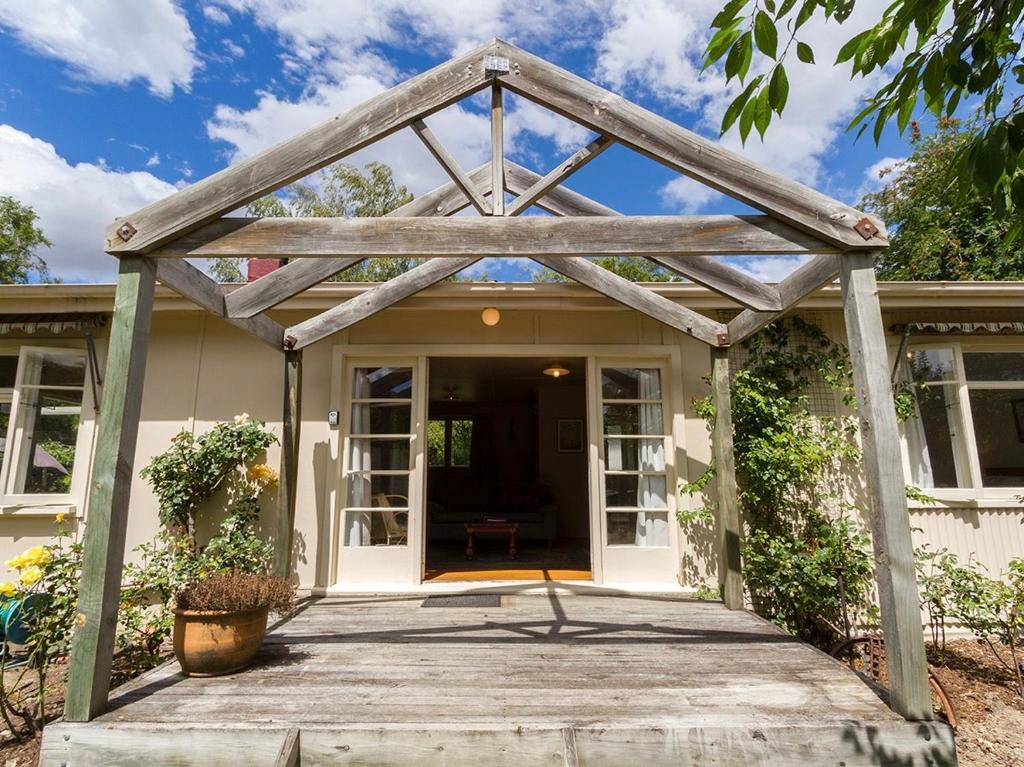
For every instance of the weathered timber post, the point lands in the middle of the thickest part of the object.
(727, 515)
(291, 423)
(890, 521)
(92, 647)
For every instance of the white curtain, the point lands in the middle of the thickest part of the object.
(651, 527)
(358, 530)
(917, 448)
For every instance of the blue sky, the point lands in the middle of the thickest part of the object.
(107, 105)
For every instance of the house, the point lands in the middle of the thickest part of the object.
(433, 413)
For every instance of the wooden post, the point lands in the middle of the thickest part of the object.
(890, 522)
(92, 647)
(727, 517)
(497, 152)
(291, 422)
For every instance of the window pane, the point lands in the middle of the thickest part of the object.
(632, 419)
(379, 454)
(999, 433)
(932, 436)
(374, 490)
(56, 369)
(634, 454)
(381, 418)
(644, 491)
(994, 366)
(932, 365)
(631, 383)
(5, 421)
(382, 383)
(462, 438)
(50, 429)
(643, 528)
(8, 370)
(376, 528)
(435, 443)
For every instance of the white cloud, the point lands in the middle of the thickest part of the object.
(154, 160)
(767, 268)
(109, 41)
(75, 203)
(216, 15)
(878, 174)
(232, 48)
(686, 195)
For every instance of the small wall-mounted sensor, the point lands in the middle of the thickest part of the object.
(333, 418)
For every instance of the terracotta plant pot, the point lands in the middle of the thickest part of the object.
(214, 642)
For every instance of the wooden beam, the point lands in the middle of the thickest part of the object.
(185, 279)
(806, 279)
(560, 200)
(245, 181)
(491, 236)
(674, 146)
(497, 152)
(638, 298)
(374, 300)
(302, 274)
(898, 599)
(451, 166)
(290, 753)
(729, 531)
(110, 482)
(558, 175)
(724, 279)
(291, 423)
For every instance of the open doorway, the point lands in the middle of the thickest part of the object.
(507, 493)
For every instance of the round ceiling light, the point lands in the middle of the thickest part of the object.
(490, 316)
(556, 370)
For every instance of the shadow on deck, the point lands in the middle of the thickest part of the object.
(546, 679)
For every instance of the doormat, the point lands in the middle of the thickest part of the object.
(463, 600)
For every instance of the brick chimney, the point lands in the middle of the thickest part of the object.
(258, 267)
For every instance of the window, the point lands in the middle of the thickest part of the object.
(40, 414)
(635, 478)
(377, 465)
(449, 442)
(968, 427)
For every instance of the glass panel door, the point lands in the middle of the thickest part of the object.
(379, 469)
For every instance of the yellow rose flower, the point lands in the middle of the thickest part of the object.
(37, 555)
(262, 474)
(7, 589)
(15, 563)
(59, 518)
(30, 576)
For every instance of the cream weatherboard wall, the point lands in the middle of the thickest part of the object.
(201, 370)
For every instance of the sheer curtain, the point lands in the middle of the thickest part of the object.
(651, 527)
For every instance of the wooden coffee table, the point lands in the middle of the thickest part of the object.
(491, 528)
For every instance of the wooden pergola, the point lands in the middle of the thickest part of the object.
(152, 244)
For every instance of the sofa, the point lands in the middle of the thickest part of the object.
(534, 509)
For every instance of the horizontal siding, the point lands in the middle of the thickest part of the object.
(991, 536)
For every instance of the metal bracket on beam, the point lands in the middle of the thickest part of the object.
(126, 231)
(865, 228)
(496, 65)
(723, 339)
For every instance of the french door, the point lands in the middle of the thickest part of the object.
(382, 468)
(632, 470)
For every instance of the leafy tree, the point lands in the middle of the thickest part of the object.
(945, 53)
(19, 238)
(343, 192)
(935, 233)
(633, 269)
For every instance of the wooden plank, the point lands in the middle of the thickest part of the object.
(374, 300)
(249, 179)
(181, 277)
(92, 646)
(898, 598)
(672, 145)
(558, 175)
(816, 273)
(497, 152)
(560, 200)
(729, 530)
(637, 298)
(289, 755)
(724, 279)
(523, 237)
(288, 477)
(451, 166)
(302, 274)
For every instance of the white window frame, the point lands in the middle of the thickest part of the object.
(966, 450)
(25, 504)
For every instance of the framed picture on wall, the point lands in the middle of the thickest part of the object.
(570, 435)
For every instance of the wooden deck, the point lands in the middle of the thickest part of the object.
(551, 679)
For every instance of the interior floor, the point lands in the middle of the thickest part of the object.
(506, 446)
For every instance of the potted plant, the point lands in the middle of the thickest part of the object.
(220, 621)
